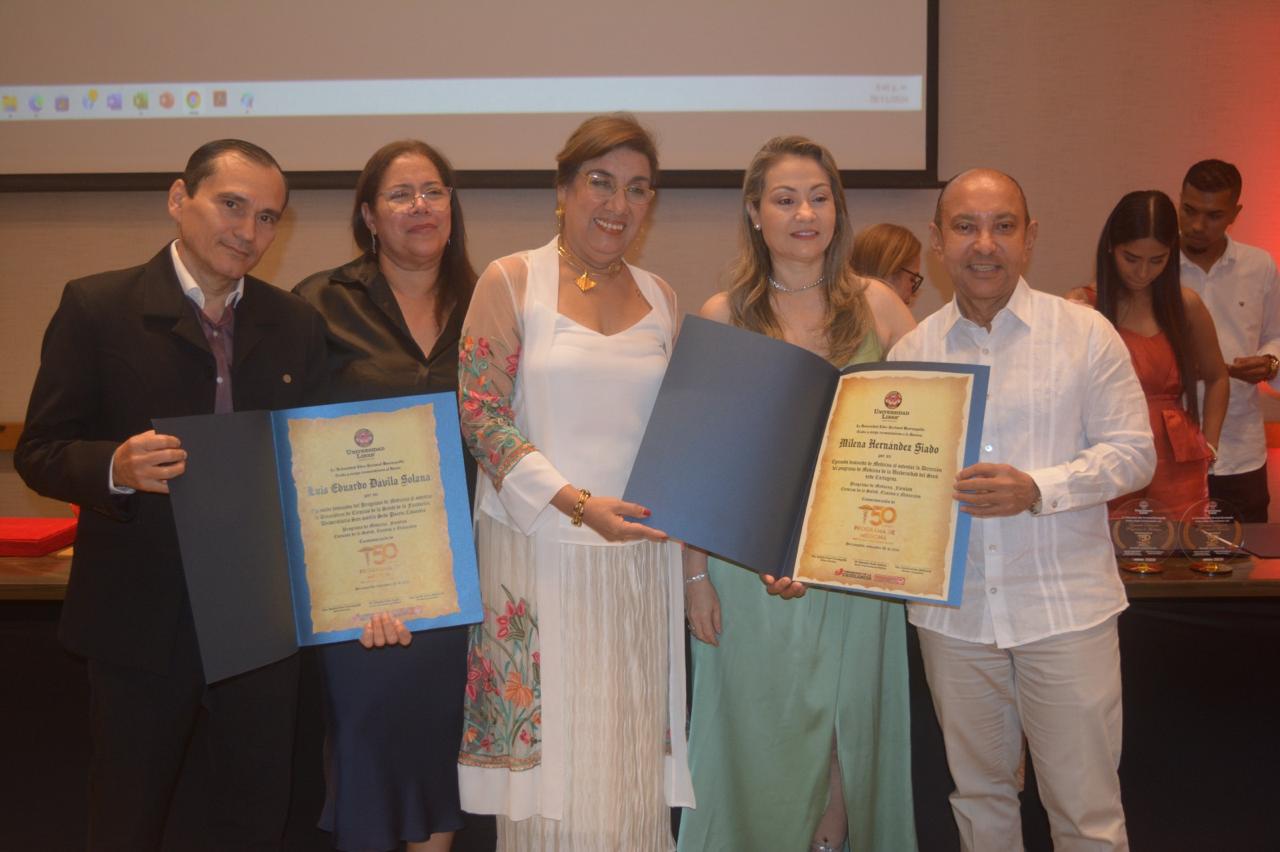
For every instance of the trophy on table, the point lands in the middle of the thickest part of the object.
(1212, 535)
(1144, 533)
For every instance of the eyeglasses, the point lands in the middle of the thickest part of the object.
(603, 187)
(917, 280)
(402, 200)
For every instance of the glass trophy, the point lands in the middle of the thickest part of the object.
(1211, 536)
(1144, 534)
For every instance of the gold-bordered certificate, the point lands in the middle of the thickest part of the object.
(375, 531)
(880, 516)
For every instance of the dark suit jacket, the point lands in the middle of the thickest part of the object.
(122, 348)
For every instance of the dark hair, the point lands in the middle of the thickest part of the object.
(1215, 176)
(937, 207)
(204, 160)
(601, 134)
(1150, 213)
(457, 276)
(848, 316)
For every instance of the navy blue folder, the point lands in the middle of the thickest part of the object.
(729, 452)
(238, 528)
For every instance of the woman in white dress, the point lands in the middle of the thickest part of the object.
(574, 721)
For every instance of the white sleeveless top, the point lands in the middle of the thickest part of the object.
(602, 389)
(581, 397)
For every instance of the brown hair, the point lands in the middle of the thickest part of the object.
(599, 135)
(848, 316)
(883, 249)
(457, 276)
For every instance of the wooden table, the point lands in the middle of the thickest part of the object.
(1250, 577)
(44, 578)
(35, 578)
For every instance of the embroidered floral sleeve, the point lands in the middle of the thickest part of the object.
(502, 708)
(488, 359)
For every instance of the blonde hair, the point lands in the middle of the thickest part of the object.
(848, 316)
(883, 249)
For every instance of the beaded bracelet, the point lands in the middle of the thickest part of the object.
(583, 496)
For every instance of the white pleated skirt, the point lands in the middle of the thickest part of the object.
(614, 616)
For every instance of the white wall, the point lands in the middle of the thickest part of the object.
(1081, 101)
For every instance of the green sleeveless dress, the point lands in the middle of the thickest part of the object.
(787, 677)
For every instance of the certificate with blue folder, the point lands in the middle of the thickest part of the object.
(766, 455)
(296, 526)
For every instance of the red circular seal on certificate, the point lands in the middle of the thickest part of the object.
(892, 399)
(363, 437)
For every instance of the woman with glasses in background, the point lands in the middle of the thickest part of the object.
(574, 723)
(393, 700)
(892, 254)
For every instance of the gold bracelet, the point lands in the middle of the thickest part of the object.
(583, 496)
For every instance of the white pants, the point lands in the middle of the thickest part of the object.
(1064, 693)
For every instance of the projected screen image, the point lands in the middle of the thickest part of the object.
(133, 88)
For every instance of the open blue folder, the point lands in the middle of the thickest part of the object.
(728, 458)
(237, 513)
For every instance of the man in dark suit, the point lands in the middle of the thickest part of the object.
(189, 332)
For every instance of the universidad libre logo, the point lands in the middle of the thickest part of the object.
(892, 399)
(363, 438)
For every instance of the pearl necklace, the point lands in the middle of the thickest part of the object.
(781, 289)
(585, 279)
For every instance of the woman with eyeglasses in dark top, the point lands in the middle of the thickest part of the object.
(393, 315)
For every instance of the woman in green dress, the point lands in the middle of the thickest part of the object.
(800, 731)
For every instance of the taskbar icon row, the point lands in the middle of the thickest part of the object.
(123, 102)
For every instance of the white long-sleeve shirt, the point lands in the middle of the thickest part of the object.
(1242, 294)
(1064, 406)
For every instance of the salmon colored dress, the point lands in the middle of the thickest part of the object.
(1182, 453)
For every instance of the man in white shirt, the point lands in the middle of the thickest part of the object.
(1033, 647)
(1239, 286)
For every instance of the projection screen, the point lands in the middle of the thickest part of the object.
(103, 96)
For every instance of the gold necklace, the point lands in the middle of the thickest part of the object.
(585, 281)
